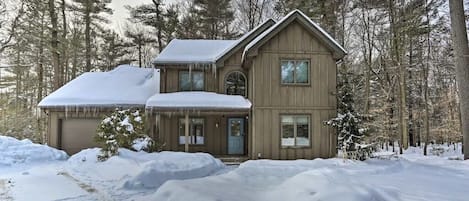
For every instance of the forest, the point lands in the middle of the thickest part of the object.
(400, 63)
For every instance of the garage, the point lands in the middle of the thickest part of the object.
(77, 134)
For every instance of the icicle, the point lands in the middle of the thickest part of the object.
(214, 69)
(66, 112)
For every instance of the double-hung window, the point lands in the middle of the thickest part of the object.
(193, 81)
(196, 131)
(295, 72)
(295, 130)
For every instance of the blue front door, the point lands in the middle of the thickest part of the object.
(235, 136)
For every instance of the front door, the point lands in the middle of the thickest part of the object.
(236, 136)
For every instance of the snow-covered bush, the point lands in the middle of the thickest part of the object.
(350, 129)
(126, 129)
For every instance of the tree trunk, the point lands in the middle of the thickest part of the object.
(461, 50)
(54, 46)
(426, 69)
(64, 68)
(88, 35)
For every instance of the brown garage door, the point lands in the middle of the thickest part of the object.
(78, 134)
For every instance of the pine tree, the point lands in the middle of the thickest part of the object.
(215, 18)
(113, 51)
(349, 125)
(90, 10)
(139, 39)
(151, 15)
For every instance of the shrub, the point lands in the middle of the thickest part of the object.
(126, 129)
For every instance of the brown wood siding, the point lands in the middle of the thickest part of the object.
(215, 137)
(271, 99)
(54, 128)
(170, 79)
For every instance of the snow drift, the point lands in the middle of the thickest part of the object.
(301, 180)
(141, 170)
(14, 151)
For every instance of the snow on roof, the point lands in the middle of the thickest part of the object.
(245, 36)
(193, 51)
(125, 85)
(296, 11)
(198, 101)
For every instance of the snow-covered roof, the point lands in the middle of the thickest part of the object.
(193, 51)
(294, 13)
(197, 101)
(123, 86)
(268, 23)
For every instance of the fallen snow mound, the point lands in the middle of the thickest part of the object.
(14, 151)
(173, 166)
(267, 180)
(142, 170)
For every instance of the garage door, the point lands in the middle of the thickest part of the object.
(78, 134)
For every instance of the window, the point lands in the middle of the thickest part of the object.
(196, 131)
(193, 81)
(235, 83)
(295, 71)
(295, 130)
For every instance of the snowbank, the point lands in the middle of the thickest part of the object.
(14, 151)
(198, 101)
(141, 170)
(173, 166)
(327, 180)
(125, 85)
(268, 180)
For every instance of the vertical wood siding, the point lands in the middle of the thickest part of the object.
(271, 99)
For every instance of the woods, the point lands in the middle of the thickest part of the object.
(406, 65)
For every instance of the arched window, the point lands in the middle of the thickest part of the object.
(235, 83)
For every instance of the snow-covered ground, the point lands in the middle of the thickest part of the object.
(35, 172)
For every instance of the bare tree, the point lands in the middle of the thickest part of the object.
(6, 42)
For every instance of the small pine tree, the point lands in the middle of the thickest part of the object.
(126, 129)
(349, 127)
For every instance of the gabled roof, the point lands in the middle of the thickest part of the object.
(338, 50)
(124, 86)
(200, 51)
(245, 39)
(193, 51)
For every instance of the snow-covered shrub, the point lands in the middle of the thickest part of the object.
(350, 129)
(126, 129)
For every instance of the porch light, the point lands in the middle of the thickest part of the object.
(216, 124)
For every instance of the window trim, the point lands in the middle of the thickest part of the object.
(183, 71)
(179, 134)
(295, 83)
(245, 81)
(295, 131)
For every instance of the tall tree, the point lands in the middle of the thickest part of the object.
(151, 15)
(461, 50)
(6, 40)
(54, 41)
(215, 18)
(90, 10)
(139, 40)
(113, 49)
(250, 13)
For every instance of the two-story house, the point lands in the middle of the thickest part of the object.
(265, 95)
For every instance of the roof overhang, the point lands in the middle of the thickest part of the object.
(194, 102)
(337, 50)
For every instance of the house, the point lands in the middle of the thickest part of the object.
(265, 95)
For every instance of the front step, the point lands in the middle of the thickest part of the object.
(233, 160)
